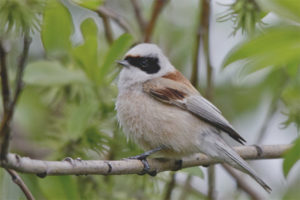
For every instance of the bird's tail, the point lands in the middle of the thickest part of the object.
(225, 153)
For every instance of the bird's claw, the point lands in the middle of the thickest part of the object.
(146, 169)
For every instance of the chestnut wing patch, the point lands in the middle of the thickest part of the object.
(168, 94)
(180, 94)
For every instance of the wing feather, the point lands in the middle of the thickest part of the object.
(182, 94)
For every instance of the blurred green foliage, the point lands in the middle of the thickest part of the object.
(67, 106)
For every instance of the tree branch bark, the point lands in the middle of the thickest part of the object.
(241, 183)
(157, 8)
(8, 103)
(139, 17)
(115, 17)
(18, 181)
(127, 166)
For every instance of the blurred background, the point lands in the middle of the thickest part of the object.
(243, 55)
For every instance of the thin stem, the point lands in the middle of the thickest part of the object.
(9, 107)
(18, 181)
(196, 67)
(4, 78)
(115, 17)
(107, 27)
(211, 182)
(157, 8)
(187, 184)
(205, 31)
(242, 183)
(170, 186)
(138, 14)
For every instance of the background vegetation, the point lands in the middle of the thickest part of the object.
(66, 108)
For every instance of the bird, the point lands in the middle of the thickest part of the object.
(161, 111)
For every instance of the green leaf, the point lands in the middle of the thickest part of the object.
(117, 50)
(86, 55)
(285, 8)
(291, 157)
(51, 73)
(89, 4)
(57, 28)
(277, 47)
(194, 171)
(59, 187)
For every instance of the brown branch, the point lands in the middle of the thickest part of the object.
(18, 181)
(115, 17)
(244, 185)
(158, 5)
(211, 182)
(170, 186)
(10, 106)
(187, 184)
(139, 17)
(195, 69)
(205, 38)
(107, 27)
(127, 166)
(4, 78)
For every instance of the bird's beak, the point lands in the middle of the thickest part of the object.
(123, 63)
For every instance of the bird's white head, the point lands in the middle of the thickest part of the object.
(143, 62)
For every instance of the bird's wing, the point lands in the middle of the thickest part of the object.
(175, 89)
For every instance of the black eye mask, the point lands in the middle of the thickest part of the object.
(148, 64)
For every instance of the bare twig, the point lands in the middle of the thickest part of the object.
(158, 5)
(139, 17)
(10, 106)
(205, 38)
(20, 71)
(127, 166)
(242, 183)
(195, 69)
(114, 16)
(204, 34)
(107, 28)
(170, 186)
(211, 183)
(18, 181)
(184, 193)
(4, 78)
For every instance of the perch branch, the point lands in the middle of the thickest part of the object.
(127, 166)
(18, 181)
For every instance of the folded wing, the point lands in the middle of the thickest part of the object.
(176, 90)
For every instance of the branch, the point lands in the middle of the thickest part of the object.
(195, 69)
(157, 8)
(127, 166)
(114, 16)
(9, 105)
(4, 78)
(244, 185)
(18, 181)
(170, 186)
(107, 28)
(140, 19)
(205, 38)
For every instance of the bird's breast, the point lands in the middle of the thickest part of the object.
(152, 123)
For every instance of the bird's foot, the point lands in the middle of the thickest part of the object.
(143, 158)
(146, 169)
